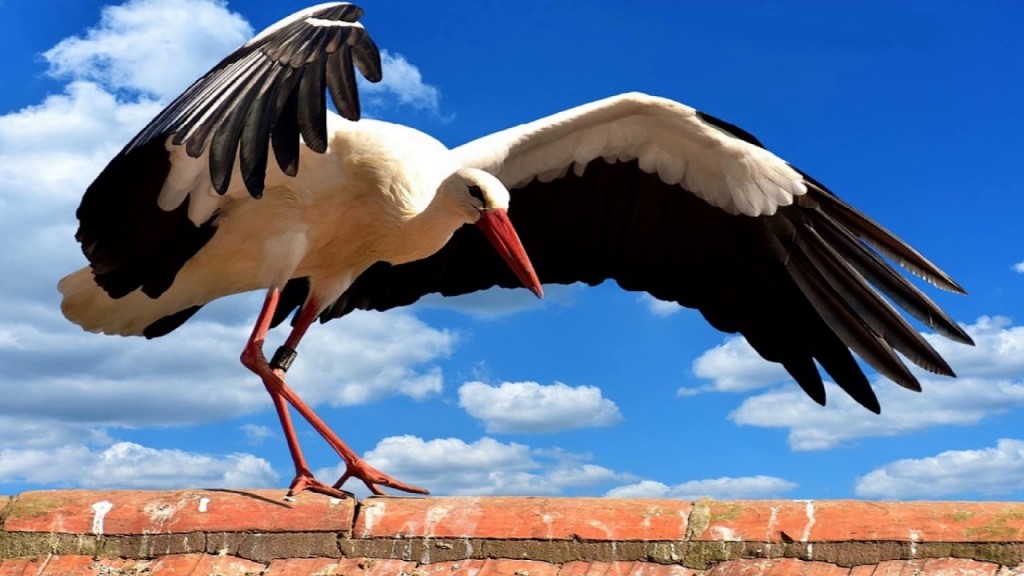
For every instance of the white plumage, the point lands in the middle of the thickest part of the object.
(666, 137)
(246, 182)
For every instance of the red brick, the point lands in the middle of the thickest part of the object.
(460, 568)
(844, 520)
(752, 521)
(124, 566)
(601, 519)
(69, 565)
(936, 567)
(20, 566)
(899, 568)
(177, 564)
(496, 567)
(139, 512)
(637, 569)
(227, 566)
(776, 567)
(959, 567)
(840, 521)
(339, 567)
(304, 567)
(377, 567)
(581, 568)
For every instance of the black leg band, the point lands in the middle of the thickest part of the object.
(283, 358)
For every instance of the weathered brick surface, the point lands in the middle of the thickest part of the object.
(1011, 570)
(936, 567)
(144, 512)
(602, 519)
(624, 569)
(208, 565)
(845, 521)
(250, 533)
(777, 567)
(305, 567)
(919, 521)
(20, 566)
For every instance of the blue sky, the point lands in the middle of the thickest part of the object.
(911, 112)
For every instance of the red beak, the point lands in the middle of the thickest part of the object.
(498, 229)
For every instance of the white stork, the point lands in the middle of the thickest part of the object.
(656, 195)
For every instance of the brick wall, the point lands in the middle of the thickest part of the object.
(226, 533)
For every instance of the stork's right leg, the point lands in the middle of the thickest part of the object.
(272, 375)
(254, 359)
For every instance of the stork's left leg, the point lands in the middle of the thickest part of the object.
(273, 378)
(253, 358)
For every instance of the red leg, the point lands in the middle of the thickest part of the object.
(279, 390)
(253, 358)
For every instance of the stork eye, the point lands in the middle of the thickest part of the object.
(477, 193)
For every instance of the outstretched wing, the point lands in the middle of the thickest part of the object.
(150, 210)
(664, 199)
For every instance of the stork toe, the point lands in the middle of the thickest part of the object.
(304, 480)
(374, 478)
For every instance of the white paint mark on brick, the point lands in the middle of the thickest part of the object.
(600, 526)
(100, 510)
(159, 512)
(773, 519)
(725, 534)
(809, 510)
(204, 504)
(915, 537)
(434, 515)
(372, 512)
(334, 501)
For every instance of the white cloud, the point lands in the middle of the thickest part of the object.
(366, 356)
(33, 432)
(402, 84)
(58, 466)
(193, 375)
(998, 351)
(153, 46)
(734, 366)
(52, 150)
(500, 302)
(484, 467)
(963, 401)
(658, 307)
(129, 465)
(993, 471)
(255, 434)
(725, 488)
(1019, 267)
(991, 381)
(529, 407)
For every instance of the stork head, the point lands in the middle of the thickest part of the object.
(484, 200)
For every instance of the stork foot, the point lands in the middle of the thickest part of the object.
(374, 478)
(304, 480)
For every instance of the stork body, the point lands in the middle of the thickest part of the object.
(247, 182)
(379, 195)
